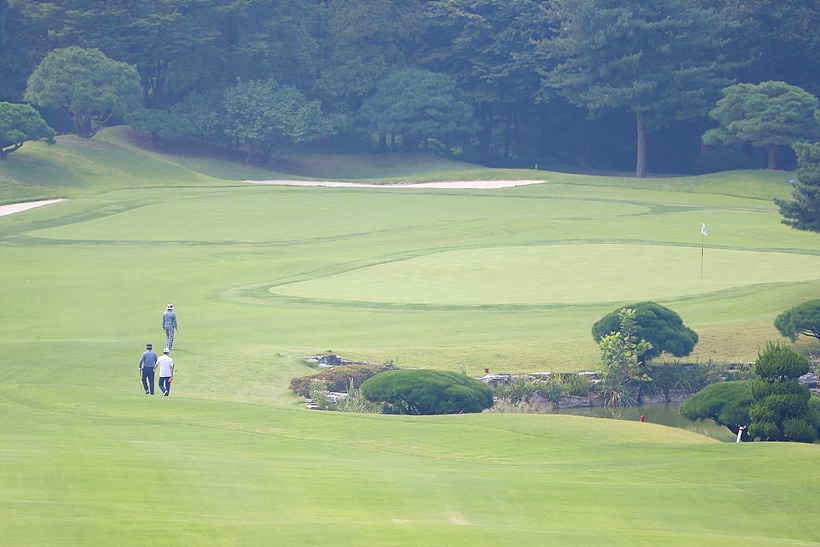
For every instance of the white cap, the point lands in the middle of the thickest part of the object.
(166, 350)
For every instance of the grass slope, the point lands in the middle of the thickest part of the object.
(263, 275)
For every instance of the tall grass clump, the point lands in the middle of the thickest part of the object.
(529, 393)
(667, 378)
(350, 401)
(339, 378)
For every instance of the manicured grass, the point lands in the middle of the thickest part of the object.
(261, 276)
(555, 274)
(89, 465)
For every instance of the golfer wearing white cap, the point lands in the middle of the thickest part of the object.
(166, 372)
(169, 323)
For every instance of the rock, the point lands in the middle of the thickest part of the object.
(809, 380)
(590, 375)
(335, 396)
(653, 399)
(572, 401)
(597, 400)
(545, 376)
(496, 379)
(331, 360)
(678, 396)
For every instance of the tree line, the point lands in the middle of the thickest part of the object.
(572, 84)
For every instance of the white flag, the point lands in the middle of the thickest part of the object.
(703, 229)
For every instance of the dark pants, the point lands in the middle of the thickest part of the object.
(165, 385)
(148, 379)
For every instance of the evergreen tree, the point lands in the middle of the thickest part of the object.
(803, 211)
(661, 327)
(765, 115)
(662, 60)
(781, 410)
(802, 319)
(417, 104)
(727, 403)
(486, 45)
(20, 123)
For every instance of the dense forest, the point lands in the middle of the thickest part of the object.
(587, 85)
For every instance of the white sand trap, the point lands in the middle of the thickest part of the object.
(19, 207)
(454, 184)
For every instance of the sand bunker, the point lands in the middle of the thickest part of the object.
(454, 184)
(19, 207)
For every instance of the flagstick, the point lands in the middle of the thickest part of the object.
(701, 255)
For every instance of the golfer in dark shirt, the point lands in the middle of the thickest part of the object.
(148, 363)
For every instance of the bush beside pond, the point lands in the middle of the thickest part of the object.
(427, 392)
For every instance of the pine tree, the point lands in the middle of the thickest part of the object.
(803, 212)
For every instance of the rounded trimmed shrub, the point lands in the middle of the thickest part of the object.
(428, 392)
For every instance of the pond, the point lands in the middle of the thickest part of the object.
(657, 414)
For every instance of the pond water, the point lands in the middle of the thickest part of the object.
(657, 414)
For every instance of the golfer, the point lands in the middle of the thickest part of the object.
(166, 371)
(169, 323)
(148, 363)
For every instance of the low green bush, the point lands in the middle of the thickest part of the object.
(722, 159)
(427, 392)
(339, 378)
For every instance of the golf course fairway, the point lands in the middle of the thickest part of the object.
(509, 279)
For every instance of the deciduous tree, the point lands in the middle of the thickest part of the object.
(265, 115)
(623, 361)
(160, 123)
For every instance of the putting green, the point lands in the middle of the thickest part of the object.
(563, 274)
